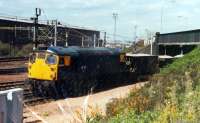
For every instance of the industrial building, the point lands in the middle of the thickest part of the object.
(20, 32)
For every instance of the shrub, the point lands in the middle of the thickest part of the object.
(4, 49)
(25, 50)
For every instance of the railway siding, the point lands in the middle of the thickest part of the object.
(13, 65)
(8, 59)
(29, 98)
(13, 70)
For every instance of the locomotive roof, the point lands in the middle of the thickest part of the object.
(75, 51)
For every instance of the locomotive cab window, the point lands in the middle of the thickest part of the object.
(41, 55)
(51, 59)
(32, 58)
(65, 61)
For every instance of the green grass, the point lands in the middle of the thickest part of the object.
(173, 95)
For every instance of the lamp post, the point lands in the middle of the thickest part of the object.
(162, 12)
(35, 30)
(115, 16)
(161, 16)
(55, 32)
(66, 35)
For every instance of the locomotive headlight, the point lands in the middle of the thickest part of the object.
(52, 76)
(52, 69)
(29, 66)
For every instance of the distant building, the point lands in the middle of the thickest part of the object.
(19, 32)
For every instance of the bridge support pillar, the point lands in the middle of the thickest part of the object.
(181, 46)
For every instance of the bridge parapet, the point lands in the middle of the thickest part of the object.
(191, 37)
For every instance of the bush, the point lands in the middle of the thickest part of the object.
(25, 50)
(4, 49)
(19, 50)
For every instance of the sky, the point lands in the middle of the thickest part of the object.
(177, 15)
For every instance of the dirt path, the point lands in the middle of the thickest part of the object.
(65, 111)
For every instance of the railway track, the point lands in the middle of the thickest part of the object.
(13, 70)
(13, 65)
(9, 59)
(29, 98)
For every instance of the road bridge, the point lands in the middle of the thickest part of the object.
(177, 42)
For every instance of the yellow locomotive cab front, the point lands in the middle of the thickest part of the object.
(43, 66)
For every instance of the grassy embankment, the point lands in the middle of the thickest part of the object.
(173, 95)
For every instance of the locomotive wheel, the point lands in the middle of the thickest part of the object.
(64, 91)
(90, 85)
(39, 91)
(80, 88)
(68, 87)
(52, 92)
(85, 86)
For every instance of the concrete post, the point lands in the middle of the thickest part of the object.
(11, 106)
(55, 32)
(94, 42)
(82, 41)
